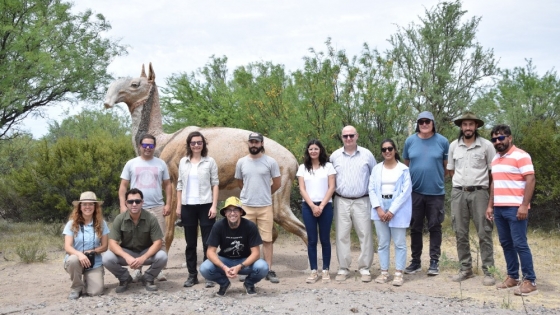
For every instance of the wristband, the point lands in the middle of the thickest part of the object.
(242, 265)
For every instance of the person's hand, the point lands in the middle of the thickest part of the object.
(84, 261)
(212, 212)
(131, 261)
(166, 211)
(388, 216)
(490, 214)
(522, 212)
(316, 210)
(138, 262)
(178, 212)
(381, 214)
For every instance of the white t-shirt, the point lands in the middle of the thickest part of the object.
(389, 178)
(317, 182)
(193, 186)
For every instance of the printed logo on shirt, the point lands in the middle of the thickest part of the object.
(147, 177)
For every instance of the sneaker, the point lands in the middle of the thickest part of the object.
(184, 265)
(434, 268)
(271, 276)
(123, 285)
(223, 289)
(342, 275)
(508, 283)
(413, 268)
(313, 277)
(398, 279)
(242, 278)
(74, 295)
(209, 284)
(191, 280)
(161, 276)
(526, 288)
(250, 289)
(365, 275)
(137, 275)
(150, 286)
(488, 280)
(462, 275)
(383, 277)
(326, 278)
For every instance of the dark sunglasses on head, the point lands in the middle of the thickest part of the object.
(148, 145)
(501, 138)
(136, 201)
(193, 143)
(424, 121)
(390, 149)
(351, 136)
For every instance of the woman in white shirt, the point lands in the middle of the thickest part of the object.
(197, 199)
(390, 195)
(316, 177)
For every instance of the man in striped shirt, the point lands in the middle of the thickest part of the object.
(510, 194)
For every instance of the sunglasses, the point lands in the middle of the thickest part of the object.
(424, 121)
(193, 143)
(148, 145)
(136, 201)
(351, 136)
(390, 149)
(501, 138)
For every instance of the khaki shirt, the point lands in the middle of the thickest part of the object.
(471, 165)
(135, 237)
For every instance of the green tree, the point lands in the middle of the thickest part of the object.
(81, 125)
(49, 55)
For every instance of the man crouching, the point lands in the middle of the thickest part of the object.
(239, 241)
(135, 241)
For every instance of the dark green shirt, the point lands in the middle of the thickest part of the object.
(136, 237)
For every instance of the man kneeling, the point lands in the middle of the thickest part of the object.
(239, 241)
(134, 241)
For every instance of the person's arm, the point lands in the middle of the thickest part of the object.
(122, 192)
(116, 248)
(240, 183)
(305, 196)
(523, 210)
(213, 209)
(156, 246)
(104, 245)
(276, 182)
(254, 256)
(445, 172)
(490, 208)
(70, 250)
(178, 210)
(168, 188)
(330, 191)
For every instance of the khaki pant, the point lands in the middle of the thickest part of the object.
(89, 281)
(158, 213)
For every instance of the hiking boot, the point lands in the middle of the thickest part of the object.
(508, 283)
(150, 286)
(123, 285)
(209, 284)
(526, 288)
(271, 276)
(250, 289)
(74, 295)
(488, 280)
(161, 276)
(136, 275)
(313, 277)
(462, 275)
(398, 279)
(326, 278)
(342, 275)
(365, 275)
(223, 289)
(242, 278)
(383, 277)
(191, 280)
(434, 268)
(413, 268)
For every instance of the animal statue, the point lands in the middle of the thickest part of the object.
(225, 145)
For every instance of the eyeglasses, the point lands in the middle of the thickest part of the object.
(501, 138)
(136, 201)
(232, 210)
(193, 143)
(424, 121)
(390, 149)
(148, 145)
(351, 136)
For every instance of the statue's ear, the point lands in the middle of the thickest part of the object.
(143, 74)
(151, 73)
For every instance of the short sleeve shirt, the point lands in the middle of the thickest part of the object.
(352, 171)
(136, 237)
(316, 182)
(508, 175)
(471, 164)
(147, 176)
(234, 243)
(257, 175)
(86, 239)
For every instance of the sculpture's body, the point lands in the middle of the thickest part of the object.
(225, 145)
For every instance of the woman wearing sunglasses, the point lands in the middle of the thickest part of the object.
(390, 195)
(85, 238)
(197, 199)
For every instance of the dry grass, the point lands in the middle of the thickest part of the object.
(30, 242)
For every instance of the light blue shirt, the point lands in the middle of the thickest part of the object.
(86, 240)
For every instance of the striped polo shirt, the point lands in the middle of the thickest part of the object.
(508, 174)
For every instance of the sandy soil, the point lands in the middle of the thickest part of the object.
(42, 288)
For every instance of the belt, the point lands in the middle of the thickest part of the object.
(469, 188)
(351, 198)
(387, 196)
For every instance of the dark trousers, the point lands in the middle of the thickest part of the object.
(430, 208)
(191, 215)
(324, 223)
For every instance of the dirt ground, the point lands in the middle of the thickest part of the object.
(42, 288)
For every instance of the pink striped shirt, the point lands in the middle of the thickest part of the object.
(508, 174)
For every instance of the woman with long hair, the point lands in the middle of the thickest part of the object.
(85, 238)
(390, 195)
(197, 199)
(316, 177)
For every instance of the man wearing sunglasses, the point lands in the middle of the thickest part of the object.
(470, 160)
(149, 174)
(135, 241)
(425, 153)
(508, 206)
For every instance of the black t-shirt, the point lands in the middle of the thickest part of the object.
(234, 243)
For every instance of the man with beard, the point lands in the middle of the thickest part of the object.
(470, 158)
(510, 196)
(254, 173)
(239, 241)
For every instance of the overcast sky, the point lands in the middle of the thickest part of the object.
(180, 36)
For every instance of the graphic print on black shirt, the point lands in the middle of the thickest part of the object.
(234, 243)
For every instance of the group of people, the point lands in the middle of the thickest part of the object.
(349, 188)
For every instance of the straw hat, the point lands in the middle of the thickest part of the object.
(87, 196)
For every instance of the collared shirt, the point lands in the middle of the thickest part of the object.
(207, 177)
(352, 171)
(471, 164)
(508, 174)
(86, 239)
(136, 237)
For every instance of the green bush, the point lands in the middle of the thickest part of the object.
(30, 253)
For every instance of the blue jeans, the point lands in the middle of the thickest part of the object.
(513, 238)
(255, 272)
(324, 221)
(384, 235)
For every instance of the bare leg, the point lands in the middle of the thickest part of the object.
(267, 253)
